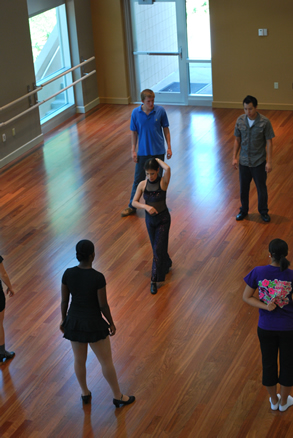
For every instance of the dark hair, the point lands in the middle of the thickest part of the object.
(279, 250)
(250, 99)
(151, 164)
(84, 248)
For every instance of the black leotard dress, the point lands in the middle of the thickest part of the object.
(158, 226)
(84, 321)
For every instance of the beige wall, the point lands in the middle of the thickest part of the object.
(243, 62)
(110, 51)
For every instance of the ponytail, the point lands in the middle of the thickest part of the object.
(279, 250)
(284, 263)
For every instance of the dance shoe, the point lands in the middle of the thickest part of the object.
(8, 355)
(86, 399)
(240, 216)
(128, 211)
(120, 402)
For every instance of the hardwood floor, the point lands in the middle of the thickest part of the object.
(189, 354)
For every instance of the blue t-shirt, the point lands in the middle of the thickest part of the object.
(150, 130)
(272, 283)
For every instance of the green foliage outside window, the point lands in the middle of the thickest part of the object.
(41, 27)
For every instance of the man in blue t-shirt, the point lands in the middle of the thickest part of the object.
(149, 128)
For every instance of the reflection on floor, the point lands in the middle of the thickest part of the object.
(174, 87)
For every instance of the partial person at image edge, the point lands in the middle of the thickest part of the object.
(275, 324)
(4, 354)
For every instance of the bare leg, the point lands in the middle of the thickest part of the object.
(285, 391)
(80, 356)
(2, 335)
(102, 350)
(272, 390)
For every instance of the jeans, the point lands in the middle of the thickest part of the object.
(139, 174)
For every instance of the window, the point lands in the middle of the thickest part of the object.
(50, 47)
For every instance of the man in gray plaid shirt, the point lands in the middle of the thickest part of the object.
(253, 138)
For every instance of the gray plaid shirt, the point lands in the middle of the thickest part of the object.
(253, 140)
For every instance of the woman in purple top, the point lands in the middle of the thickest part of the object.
(275, 325)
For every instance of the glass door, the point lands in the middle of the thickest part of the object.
(159, 49)
(171, 50)
(199, 48)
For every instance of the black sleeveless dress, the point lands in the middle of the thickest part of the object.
(158, 227)
(84, 321)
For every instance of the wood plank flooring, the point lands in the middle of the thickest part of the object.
(189, 354)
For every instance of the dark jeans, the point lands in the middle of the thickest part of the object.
(271, 343)
(259, 175)
(139, 174)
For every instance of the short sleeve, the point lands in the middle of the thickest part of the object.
(133, 125)
(64, 277)
(101, 280)
(164, 119)
(251, 280)
(237, 132)
(269, 132)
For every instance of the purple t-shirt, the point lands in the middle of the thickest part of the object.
(272, 283)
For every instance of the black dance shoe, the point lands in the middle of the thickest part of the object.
(154, 288)
(120, 402)
(86, 399)
(240, 216)
(265, 217)
(8, 355)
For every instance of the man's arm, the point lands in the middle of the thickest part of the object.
(236, 148)
(168, 141)
(269, 155)
(134, 138)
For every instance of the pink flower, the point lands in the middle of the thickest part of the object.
(265, 283)
(261, 295)
(271, 290)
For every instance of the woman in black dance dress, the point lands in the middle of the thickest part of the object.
(84, 324)
(4, 354)
(157, 216)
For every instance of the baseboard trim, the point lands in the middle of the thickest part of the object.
(20, 151)
(88, 106)
(116, 100)
(265, 106)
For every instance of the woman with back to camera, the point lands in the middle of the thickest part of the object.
(84, 324)
(275, 325)
(157, 216)
(4, 354)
